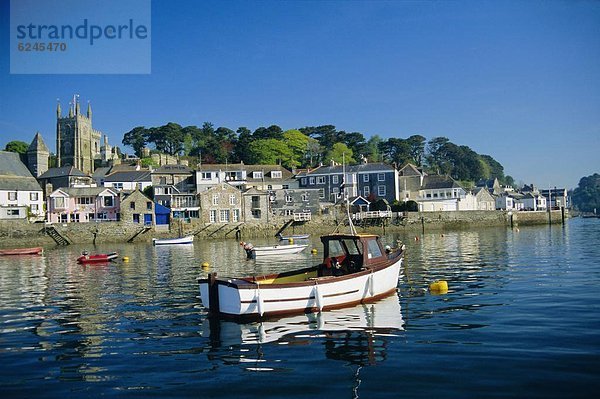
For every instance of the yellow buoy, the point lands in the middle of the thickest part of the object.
(125, 258)
(313, 251)
(290, 240)
(438, 287)
(205, 265)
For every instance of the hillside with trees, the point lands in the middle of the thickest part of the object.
(310, 146)
(586, 197)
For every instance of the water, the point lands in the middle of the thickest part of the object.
(521, 319)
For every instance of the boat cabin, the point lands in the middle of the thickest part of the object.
(344, 254)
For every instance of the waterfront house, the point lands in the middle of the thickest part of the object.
(485, 201)
(410, 181)
(136, 208)
(256, 205)
(21, 196)
(533, 201)
(221, 204)
(261, 177)
(82, 205)
(491, 185)
(556, 198)
(509, 201)
(443, 193)
(286, 202)
(128, 180)
(175, 187)
(371, 180)
(65, 176)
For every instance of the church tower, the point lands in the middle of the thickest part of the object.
(37, 156)
(77, 143)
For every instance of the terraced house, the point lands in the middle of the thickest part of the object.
(369, 180)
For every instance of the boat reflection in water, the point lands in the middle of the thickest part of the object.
(356, 334)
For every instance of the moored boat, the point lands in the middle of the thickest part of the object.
(356, 268)
(293, 237)
(252, 252)
(97, 258)
(173, 241)
(21, 251)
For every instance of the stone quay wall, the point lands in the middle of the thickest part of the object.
(20, 233)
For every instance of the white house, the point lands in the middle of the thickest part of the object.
(128, 180)
(533, 202)
(21, 195)
(442, 193)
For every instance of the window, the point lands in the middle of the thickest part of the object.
(305, 197)
(255, 201)
(213, 216)
(162, 180)
(232, 199)
(74, 217)
(59, 202)
(136, 217)
(276, 174)
(366, 191)
(435, 195)
(224, 215)
(381, 191)
(33, 196)
(12, 212)
(85, 200)
(320, 179)
(215, 199)
(366, 178)
(149, 205)
(256, 213)
(132, 206)
(321, 193)
(285, 186)
(269, 187)
(288, 198)
(303, 181)
(118, 186)
(205, 175)
(236, 215)
(311, 180)
(288, 212)
(12, 195)
(34, 208)
(373, 249)
(380, 176)
(108, 201)
(334, 179)
(257, 175)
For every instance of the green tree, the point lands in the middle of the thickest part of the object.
(20, 147)
(396, 151)
(340, 153)
(416, 145)
(168, 138)
(270, 152)
(137, 138)
(299, 144)
(372, 149)
(586, 197)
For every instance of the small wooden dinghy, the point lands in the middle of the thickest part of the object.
(97, 258)
(22, 251)
(252, 252)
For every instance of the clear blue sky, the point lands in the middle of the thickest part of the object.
(519, 81)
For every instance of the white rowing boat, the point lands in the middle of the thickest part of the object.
(173, 241)
(252, 252)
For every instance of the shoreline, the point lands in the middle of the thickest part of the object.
(23, 234)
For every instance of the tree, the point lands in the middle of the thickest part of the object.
(340, 153)
(137, 138)
(586, 197)
(168, 138)
(271, 132)
(20, 147)
(396, 151)
(270, 152)
(437, 155)
(416, 145)
(372, 149)
(241, 146)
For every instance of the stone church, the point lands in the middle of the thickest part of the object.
(77, 143)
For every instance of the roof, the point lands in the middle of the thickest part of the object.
(129, 176)
(38, 144)
(359, 168)
(410, 170)
(438, 182)
(62, 172)
(172, 170)
(14, 175)
(83, 191)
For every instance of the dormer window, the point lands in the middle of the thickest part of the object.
(257, 175)
(276, 174)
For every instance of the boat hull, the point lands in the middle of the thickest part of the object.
(22, 251)
(240, 298)
(173, 241)
(279, 249)
(99, 258)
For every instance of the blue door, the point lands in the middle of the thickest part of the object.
(147, 219)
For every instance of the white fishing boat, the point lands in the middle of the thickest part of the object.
(356, 268)
(293, 237)
(252, 252)
(173, 241)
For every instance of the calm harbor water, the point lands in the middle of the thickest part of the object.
(521, 319)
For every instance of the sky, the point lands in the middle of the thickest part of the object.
(517, 80)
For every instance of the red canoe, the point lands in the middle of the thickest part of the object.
(22, 251)
(98, 258)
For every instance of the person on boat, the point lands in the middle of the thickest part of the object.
(250, 254)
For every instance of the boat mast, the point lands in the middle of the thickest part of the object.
(346, 197)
